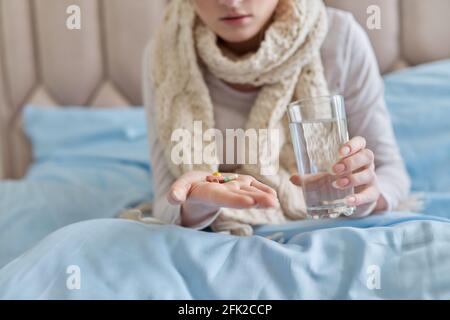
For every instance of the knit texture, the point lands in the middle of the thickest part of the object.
(287, 66)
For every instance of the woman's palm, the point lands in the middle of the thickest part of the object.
(244, 192)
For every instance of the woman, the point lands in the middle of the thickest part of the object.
(237, 64)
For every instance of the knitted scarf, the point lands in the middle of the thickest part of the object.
(287, 67)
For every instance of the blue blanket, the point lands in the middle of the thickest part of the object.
(88, 165)
(89, 175)
(117, 259)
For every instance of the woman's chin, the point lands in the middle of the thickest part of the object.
(238, 37)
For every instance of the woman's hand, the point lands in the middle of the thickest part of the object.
(356, 169)
(200, 199)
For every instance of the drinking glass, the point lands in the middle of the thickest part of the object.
(318, 129)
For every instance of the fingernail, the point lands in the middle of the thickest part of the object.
(339, 168)
(351, 200)
(341, 183)
(345, 151)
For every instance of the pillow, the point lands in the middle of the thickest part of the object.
(77, 132)
(419, 102)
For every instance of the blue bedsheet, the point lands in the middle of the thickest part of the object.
(393, 255)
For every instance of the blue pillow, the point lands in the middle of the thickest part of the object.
(82, 133)
(419, 102)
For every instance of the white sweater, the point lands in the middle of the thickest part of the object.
(351, 70)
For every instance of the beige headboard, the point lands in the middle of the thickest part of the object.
(43, 62)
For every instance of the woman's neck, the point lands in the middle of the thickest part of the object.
(243, 48)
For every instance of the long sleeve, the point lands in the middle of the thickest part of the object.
(368, 116)
(162, 177)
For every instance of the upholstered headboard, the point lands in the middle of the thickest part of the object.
(43, 62)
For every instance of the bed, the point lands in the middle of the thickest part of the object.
(79, 167)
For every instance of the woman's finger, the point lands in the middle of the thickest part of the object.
(178, 191)
(233, 185)
(364, 177)
(353, 146)
(354, 162)
(297, 180)
(262, 198)
(263, 187)
(224, 197)
(313, 182)
(368, 195)
(245, 179)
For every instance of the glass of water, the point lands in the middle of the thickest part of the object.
(319, 129)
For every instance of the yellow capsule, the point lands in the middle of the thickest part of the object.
(217, 174)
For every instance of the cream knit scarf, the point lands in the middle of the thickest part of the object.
(287, 67)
